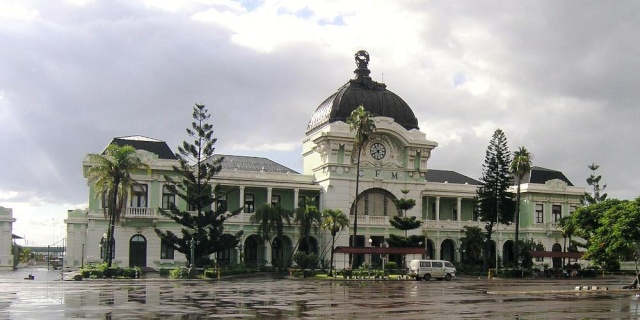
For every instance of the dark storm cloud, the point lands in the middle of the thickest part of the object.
(561, 80)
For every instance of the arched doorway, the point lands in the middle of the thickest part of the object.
(493, 253)
(430, 251)
(138, 251)
(508, 257)
(557, 262)
(252, 249)
(281, 252)
(374, 204)
(312, 246)
(227, 256)
(447, 250)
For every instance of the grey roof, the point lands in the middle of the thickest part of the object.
(148, 144)
(541, 175)
(442, 176)
(251, 164)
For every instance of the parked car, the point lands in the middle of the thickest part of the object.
(428, 269)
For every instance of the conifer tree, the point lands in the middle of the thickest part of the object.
(405, 224)
(202, 226)
(495, 202)
(594, 181)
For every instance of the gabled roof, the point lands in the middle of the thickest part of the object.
(147, 144)
(448, 176)
(251, 164)
(541, 175)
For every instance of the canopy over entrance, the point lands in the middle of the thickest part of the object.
(555, 254)
(379, 250)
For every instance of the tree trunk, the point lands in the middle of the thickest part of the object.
(517, 246)
(112, 222)
(355, 211)
(333, 245)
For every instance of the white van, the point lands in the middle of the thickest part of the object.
(427, 269)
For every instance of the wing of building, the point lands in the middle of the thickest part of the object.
(393, 164)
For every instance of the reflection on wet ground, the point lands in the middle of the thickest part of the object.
(266, 297)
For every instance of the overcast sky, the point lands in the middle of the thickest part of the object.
(559, 77)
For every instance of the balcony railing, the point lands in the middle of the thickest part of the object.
(141, 212)
(370, 220)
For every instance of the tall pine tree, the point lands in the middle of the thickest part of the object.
(594, 181)
(405, 223)
(201, 225)
(495, 202)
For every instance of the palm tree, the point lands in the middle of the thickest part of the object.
(271, 220)
(335, 221)
(472, 244)
(520, 165)
(361, 122)
(307, 216)
(111, 174)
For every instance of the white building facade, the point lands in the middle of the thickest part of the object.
(393, 162)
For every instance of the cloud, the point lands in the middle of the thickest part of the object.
(556, 77)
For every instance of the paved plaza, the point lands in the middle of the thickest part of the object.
(266, 297)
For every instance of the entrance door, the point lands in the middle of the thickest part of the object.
(137, 251)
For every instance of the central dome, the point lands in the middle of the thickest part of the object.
(362, 90)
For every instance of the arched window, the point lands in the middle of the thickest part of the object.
(376, 202)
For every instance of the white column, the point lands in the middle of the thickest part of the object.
(438, 209)
(269, 194)
(459, 211)
(242, 198)
(296, 194)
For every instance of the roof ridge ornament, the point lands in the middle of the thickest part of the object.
(362, 62)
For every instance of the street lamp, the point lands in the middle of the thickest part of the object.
(371, 254)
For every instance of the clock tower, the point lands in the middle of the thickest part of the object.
(394, 158)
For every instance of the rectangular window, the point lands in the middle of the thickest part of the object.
(275, 200)
(249, 203)
(454, 213)
(556, 212)
(105, 199)
(433, 211)
(139, 196)
(302, 201)
(168, 197)
(221, 202)
(539, 213)
(166, 251)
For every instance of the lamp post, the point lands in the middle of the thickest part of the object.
(371, 254)
(193, 252)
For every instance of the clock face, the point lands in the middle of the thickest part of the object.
(378, 151)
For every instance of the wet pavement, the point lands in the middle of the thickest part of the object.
(266, 297)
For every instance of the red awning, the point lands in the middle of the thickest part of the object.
(379, 250)
(556, 254)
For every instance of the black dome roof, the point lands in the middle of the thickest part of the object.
(374, 96)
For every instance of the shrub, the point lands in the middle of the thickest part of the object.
(101, 271)
(306, 261)
(391, 265)
(179, 273)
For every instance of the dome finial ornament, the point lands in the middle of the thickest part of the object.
(362, 61)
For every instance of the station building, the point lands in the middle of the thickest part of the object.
(6, 237)
(394, 161)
